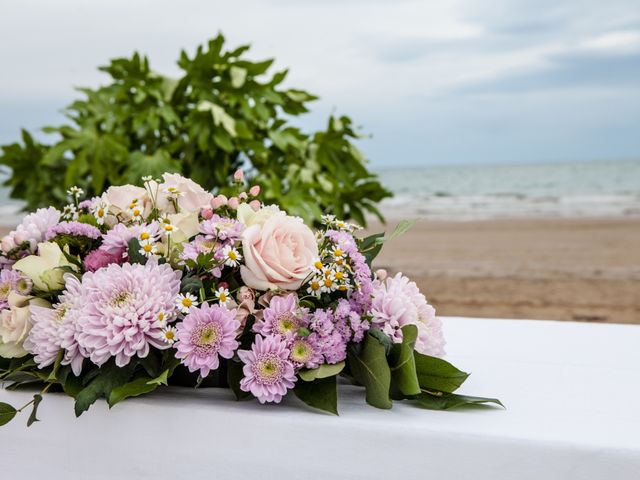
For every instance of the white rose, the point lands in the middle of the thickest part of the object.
(43, 269)
(191, 197)
(121, 198)
(249, 216)
(187, 225)
(15, 324)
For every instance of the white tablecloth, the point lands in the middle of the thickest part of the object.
(573, 412)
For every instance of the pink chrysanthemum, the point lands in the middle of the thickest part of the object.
(32, 229)
(205, 334)
(54, 329)
(117, 239)
(268, 372)
(282, 317)
(122, 306)
(398, 302)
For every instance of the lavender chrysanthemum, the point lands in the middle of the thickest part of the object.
(76, 229)
(122, 306)
(222, 229)
(282, 317)
(31, 230)
(268, 372)
(398, 302)
(304, 353)
(55, 329)
(12, 281)
(205, 334)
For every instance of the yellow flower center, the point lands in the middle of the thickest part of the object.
(318, 264)
(232, 255)
(144, 236)
(315, 285)
(337, 252)
(328, 282)
(223, 298)
(187, 302)
(339, 275)
(147, 248)
(169, 335)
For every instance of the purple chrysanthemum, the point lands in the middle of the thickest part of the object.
(12, 281)
(282, 317)
(222, 228)
(305, 353)
(205, 334)
(77, 229)
(122, 310)
(268, 372)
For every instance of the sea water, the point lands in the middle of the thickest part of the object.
(551, 190)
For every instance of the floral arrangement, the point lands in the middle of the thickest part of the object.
(166, 284)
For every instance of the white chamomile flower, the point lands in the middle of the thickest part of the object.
(337, 252)
(148, 249)
(75, 192)
(100, 212)
(169, 334)
(222, 294)
(135, 210)
(339, 275)
(328, 219)
(70, 212)
(231, 256)
(315, 287)
(147, 178)
(162, 317)
(328, 283)
(173, 192)
(316, 265)
(185, 301)
(145, 236)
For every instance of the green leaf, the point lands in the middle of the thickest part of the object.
(137, 387)
(134, 254)
(321, 393)
(37, 398)
(370, 368)
(323, 371)
(371, 246)
(437, 374)
(400, 229)
(447, 401)
(234, 375)
(108, 378)
(7, 412)
(403, 365)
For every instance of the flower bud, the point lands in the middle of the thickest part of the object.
(255, 190)
(238, 176)
(207, 213)
(255, 205)
(233, 203)
(381, 274)
(218, 202)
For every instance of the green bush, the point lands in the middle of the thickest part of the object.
(224, 112)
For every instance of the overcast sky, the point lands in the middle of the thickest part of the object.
(434, 82)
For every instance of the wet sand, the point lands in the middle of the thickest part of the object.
(562, 269)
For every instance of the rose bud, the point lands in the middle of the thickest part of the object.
(255, 190)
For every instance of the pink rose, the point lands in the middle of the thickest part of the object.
(277, 253)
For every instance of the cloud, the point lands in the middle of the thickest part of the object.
(416, 74)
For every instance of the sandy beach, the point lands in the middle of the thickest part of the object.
(582, 269)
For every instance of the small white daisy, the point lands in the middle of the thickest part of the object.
(135, 210)
(315, 287)
(169, 334)
(173, 192)
(100, 212)
(147, 178)
(231, 256)
(75, 192)
(316, 265)
(148, 249)
(337, 252)
(186, 301)
(70, 212)
(222, 294)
